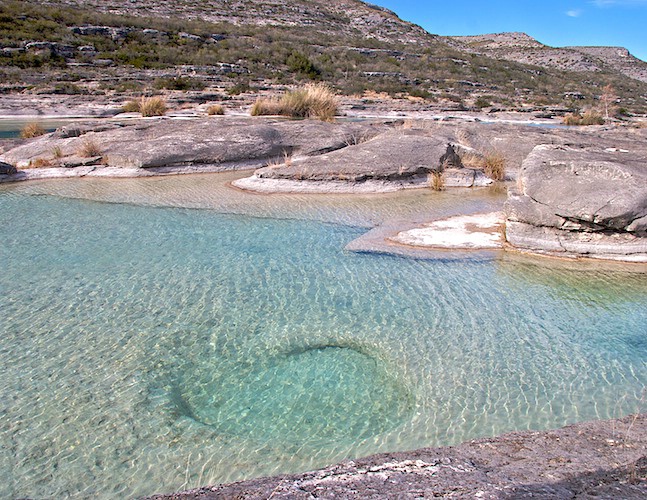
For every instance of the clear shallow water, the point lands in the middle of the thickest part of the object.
(147, 349)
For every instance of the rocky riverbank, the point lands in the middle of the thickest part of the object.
(581, 191)
(601, 459)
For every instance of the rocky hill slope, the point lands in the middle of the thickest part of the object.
(522, 48)
(117, 47)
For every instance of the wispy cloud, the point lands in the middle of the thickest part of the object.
(611, 3)
(574, 13)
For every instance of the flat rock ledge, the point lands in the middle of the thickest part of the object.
(390, 161)
(462, 232)
(580, 202)
(600, 459)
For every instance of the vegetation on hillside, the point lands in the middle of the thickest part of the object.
(274, 54)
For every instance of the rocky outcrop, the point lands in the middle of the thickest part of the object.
(603, 459)
(7, 169)
(402, 158)
(172, 143)
(582, 201)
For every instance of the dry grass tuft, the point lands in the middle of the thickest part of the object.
(147, 106)
(492, 163)
(314, 100)
(32, 129)
(216, 109)
(437, 180)
(153, 106)
(133, 106)
(89, 149)
(494, 166)
(40, 163)
(590, 117)
(57, 152)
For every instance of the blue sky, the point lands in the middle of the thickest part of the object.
(552, 22)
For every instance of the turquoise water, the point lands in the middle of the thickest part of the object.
(148, 348)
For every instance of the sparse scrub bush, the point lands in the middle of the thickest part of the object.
(590, 117)
(437, 180)
(482, 102)
(39, 163)
(492, 163)
(179, 83)
(153, 106)
(89, 149)
(31, 130)
(239, 88)
(494, 166)
(147, 106)
(314, 100)
(300, 64)
(133, 106)
(215, 109)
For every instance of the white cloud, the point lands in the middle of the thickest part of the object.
(574, 13)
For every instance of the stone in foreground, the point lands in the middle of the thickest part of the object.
(602, 459)
(581, 202)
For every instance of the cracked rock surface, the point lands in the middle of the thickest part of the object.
(602, 459)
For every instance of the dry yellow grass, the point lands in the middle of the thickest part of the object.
(153, 106)
(147, 106)
(492, 163)
(437, 180)
(494, 166)
(32, 129)
(216, 109)
(39, 163)
(89, 149)
(590, 117)
(314, 100)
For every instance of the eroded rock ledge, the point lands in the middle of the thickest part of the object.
(581, 202)
(602, 459)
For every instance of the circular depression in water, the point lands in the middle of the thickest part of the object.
(315, 394)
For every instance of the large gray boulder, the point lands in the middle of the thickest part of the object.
(391, 156)
(581, 201)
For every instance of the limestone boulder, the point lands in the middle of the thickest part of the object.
(150, 144)
(581, 201)
(390, 156)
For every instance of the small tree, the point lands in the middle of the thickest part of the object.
(608, 100)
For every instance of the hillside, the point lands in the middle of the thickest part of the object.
(120, 48)
(522, 48)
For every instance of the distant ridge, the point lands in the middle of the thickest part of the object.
(522, 48)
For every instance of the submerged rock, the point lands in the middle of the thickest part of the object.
(581, 201)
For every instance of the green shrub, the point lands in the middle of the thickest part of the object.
(300, 64)
(239, 88)
(179, 83)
